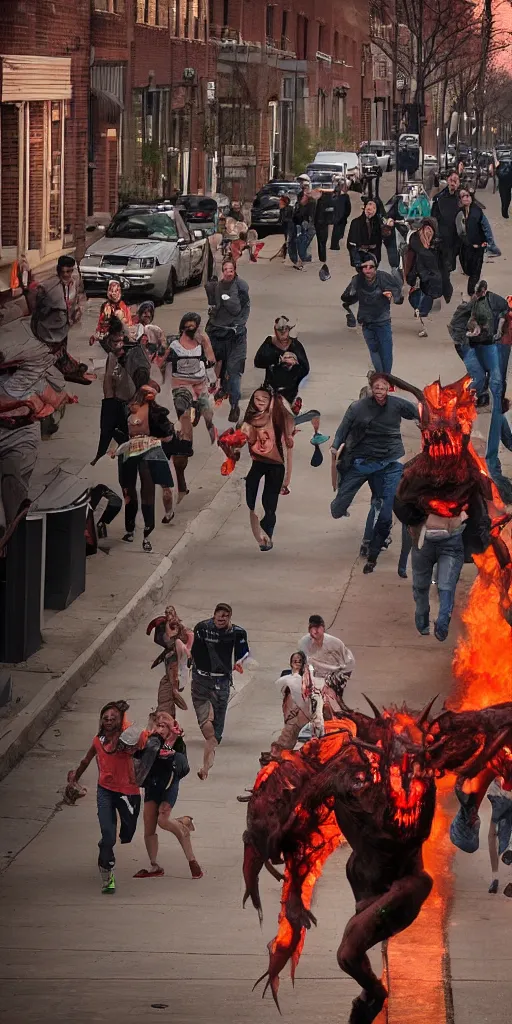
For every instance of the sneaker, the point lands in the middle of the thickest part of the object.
(101, 530)
(128, 537)
(146, 544)
(351, 320)
(422, 624)
(508, 890)
(109, 886)
(483, 400)
(234, 414)
(369, 567)
(323, 273)
(440, 631)
(402, 573)
(507, 857)
(422, 334)
(493, 888)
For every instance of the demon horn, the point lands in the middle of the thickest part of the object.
(495, 746)
(397, 382)
(426, 711)
(374, 708)
(366, 746)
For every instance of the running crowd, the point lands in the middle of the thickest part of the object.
(204, 367)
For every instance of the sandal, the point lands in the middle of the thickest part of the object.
(146, 544)
(144, 873)
(168, 517)
(267, 546)
(284, 490)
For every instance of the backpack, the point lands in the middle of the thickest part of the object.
(504, 171)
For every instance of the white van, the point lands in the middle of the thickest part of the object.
(326, 163)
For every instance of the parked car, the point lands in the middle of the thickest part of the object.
(370, 167)
(199, 211)
(382, 150)
(265, 205)
(148, 246)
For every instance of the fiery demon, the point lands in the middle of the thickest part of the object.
(371, 780)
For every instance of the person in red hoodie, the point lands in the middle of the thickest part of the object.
(118, 792)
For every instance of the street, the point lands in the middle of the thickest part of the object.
(181, 950)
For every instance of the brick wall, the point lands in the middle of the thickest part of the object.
(56, 29)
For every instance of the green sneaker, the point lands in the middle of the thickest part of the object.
(110, 885)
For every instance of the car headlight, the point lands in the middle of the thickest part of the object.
(147, 262)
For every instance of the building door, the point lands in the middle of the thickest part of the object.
(53, 182)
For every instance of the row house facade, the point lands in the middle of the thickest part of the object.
(104, 101)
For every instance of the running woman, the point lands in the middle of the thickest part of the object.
(118, 793)
(161, 787)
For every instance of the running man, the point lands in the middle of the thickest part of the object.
(219, 647)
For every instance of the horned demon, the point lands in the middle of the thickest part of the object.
(372, 779)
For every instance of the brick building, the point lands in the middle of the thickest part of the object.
(44, 89)
(284, 67)
(104, 100)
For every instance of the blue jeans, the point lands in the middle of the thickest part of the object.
(448, 555)
(379, 340)
(418, 300)
(479, 360)
(291, 239)
(109, 805)
(304, 238)
(384, 483)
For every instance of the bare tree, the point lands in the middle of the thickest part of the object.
(436, 41)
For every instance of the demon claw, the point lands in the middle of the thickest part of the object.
(271, 983)
(364, 1011)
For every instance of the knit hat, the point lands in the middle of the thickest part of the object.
(367, 257)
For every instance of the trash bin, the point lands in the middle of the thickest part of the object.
(20, 592)
(64, 577)
(61, 498)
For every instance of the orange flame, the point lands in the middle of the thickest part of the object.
(483, 658)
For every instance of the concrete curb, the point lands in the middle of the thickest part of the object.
(25, 729)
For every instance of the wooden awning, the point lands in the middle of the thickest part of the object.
(34, 78)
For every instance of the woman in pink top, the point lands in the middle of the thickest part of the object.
(268, 424)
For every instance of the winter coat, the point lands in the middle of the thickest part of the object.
(424, 264)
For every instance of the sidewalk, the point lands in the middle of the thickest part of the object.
(187, 945)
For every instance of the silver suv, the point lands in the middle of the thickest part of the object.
(151, 249)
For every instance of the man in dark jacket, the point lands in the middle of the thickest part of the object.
(370, 444)
(374, 289)
(342, 211)
(229, 308)
(324, 213)
(445, 209)
(504, 176)
(284, 359)
(304, 219)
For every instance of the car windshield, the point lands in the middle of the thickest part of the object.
(158, 227)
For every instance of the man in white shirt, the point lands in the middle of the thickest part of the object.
(325, 652)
